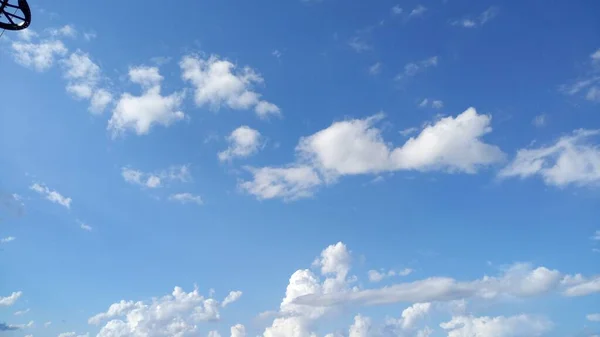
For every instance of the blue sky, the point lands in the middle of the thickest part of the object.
(301, 168)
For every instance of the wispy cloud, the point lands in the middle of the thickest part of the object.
(482, 19)
(375, 68)
(186, 198)
(413, 68)
(51, 195)
(175, 173)
(418, 11)
(7, 239)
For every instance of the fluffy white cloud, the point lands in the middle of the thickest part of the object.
(141, 113)
(289, 183)
(356, 147)
(243, 142)
(10, 300)
(186, 198)
(413, 313)
(350, 147)
(51, 195)
(414, 68)
(39, 56)
(238, 330)
(513, 326)
(172, 315)
(231, 297)
(179, 173)
(361, 327)
(573, 160)
(7, 239)
(219, 83)
(83, 76)
(481, 20)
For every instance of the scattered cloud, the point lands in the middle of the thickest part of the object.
(573, 160)
(379, 275)
(288, 183)
(238, 330)
(176, 173)
(51, 195)
(64, 31)
(277, 53)
(435, 104)
(7, 239)
(501, 326)
(593, 317)
(186, 198)
(479, 21)
(140, 113)
(47, 324)
(176, 314)
(232, 297)
(539, 121)
(418, 11)
(243, 142)
(397, 10)
(409, 131)
(11, 299)
(22, 312)
(38, 56)
(219, 83)
(375, 69)
(596, 236)
(359, 44)
(89, 36)
(589, 84)
(85, 227)
(414, 68)
(83, 77)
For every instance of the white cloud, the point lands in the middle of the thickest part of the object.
(85, 227)
(22, 312)
(243, 142)
(414, 313)
(64, 31)
(277, 53)
(88, 36)
(596, 236)
(51, 195)
(418, 11)
(214, 333)
(481, 20)
(141, 113)
(375, 68)
(289, 183)
(72, 334)
(573, 160)
(378, 276)
(356, 147)
(409, 131)
(587, 83)
(47, 324)
(359, 44)
(27, 34)
(397, 10)
(39, 56)
(238, 330)
(83, 76)
(7, 239)
(10, 300)
(414, 68)
(593, 317)
(501, 326)
(351, 147)
(218, 83)
(361, 327)
(435, 104)
(583, 287)
(539, 121)
(172, 315)
(520, 280)
(186, 198)
(231, 297)
(175, 173)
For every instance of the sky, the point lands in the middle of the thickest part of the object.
(301, 168)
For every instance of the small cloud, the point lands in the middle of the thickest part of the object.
(359, 45)
(596, 236)
(539, 121)
(409, 131)
(413, 68)
(85, 227)
(186, 198)
(64, 31)
(51, 195)
(179, 173)
(437, 104)
(397, 10)
(375, 69)
(277, 53)
(88, 36)
(482, 19)
(22, 312)
(418, 11)
(47, 324)
(593, 317)
(7, 239)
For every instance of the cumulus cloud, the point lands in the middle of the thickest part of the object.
(176, 314)
(351, 147)
(186, 198)
(572, 160)
(482, 19)
(361, 327)
(219, 83)
(231, 297)
(243, 142)
(238, 330)
(51, 195)
(38, 56)
(83, 77)
(140, 113)
(501, 326)
(289, 183)
(156, 179)
(11, 299)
